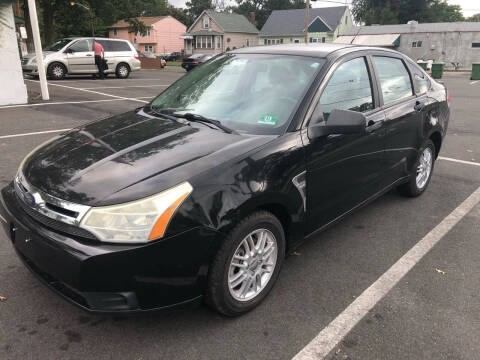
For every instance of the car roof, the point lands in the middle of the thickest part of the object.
(320, 50)
(92, 37)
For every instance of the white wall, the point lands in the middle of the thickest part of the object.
(12, 89)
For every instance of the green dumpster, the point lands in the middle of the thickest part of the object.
(437, 70)
(475, 71)
(423, 65)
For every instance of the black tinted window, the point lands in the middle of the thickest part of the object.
(394, 79)
(349, 88)
(82, 46)
(109, 45)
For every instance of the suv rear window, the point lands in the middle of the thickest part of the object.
(110, 45)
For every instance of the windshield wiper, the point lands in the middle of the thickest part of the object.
(165, 114)
(200, 118)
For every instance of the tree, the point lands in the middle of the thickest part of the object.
(196, 7)
(475, 17)
(401, 11)
(137, 26)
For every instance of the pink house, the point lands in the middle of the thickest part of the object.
(163, 34)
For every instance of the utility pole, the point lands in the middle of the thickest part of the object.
(307, 16)
(32, 9)
(90, 12)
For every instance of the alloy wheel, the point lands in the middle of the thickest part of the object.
(252, 265)
(424, 167)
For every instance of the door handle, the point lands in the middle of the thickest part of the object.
(419, 106)
(373, 126)
(89, 55)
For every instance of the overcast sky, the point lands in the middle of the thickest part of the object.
(469, 7)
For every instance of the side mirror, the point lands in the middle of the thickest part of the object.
(339, 122)
(69, 51)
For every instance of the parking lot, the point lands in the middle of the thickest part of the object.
(430, 313)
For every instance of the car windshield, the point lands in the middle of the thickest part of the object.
(250, 93)
(57, 45)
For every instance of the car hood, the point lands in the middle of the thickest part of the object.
(134, 153)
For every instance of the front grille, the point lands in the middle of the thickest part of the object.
(52, 223)
(24, 61)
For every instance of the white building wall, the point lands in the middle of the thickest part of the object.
(12, 89)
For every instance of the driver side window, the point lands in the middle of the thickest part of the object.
(82, 46)
(349, 88)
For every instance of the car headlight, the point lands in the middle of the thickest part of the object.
(137, 221)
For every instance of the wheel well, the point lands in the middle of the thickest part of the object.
(281, 214)
(437, 141)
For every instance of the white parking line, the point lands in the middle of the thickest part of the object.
(474, 82)
(331, 335)
(92, 92)
(3, 219)
(32, 133)
(459, 161)
(71, 102)
(123, 87)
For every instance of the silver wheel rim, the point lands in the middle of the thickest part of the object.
(123, 71)
(57, 71)
(252, 265)
(424, 168)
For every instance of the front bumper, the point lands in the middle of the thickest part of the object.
(109, 278)
(30, 69)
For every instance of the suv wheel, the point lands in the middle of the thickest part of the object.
(122, 71)
(247, 265)
(56, 71)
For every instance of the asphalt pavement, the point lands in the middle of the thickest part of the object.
(432, 313)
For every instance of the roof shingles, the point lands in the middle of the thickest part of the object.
(232, 22)
(147, 20)
(292, 22)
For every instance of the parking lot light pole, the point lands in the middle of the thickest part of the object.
(73, 3)
(32, 9)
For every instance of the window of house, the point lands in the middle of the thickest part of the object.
(414, 44)
(147, 32)
(281, 41)
(349, 88)
(296, 41)
(394, 79)
(115, 33)
(206, 22)
(475, 45)
(323, 39)
(148, 48)
(264, 41)
(417, 44)
(247, 42)
(219, 42)
(203, 42)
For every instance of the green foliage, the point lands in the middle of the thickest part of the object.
(196, 7)
(7, 2)
(401, 11)
(475, 17)
(137, 27)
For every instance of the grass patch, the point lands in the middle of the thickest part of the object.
(174, 63)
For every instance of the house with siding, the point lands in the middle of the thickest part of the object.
(215, 32)
(457, 44)
(163, 34)
(288, 26)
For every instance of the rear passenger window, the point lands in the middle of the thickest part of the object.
(349, 88)
(394, 79)
(120, 46)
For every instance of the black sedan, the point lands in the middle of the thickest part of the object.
(201, 193)
(193, 61)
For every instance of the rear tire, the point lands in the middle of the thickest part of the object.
(122, 71)
(422, 172)
(251, 255)
(56, 71)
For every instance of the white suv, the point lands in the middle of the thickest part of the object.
(75, 56)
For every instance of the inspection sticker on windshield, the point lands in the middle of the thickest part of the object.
(268, 119)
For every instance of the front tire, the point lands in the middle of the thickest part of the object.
(56, 71)
(122, 71)
(247, 265)
(422, 173)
